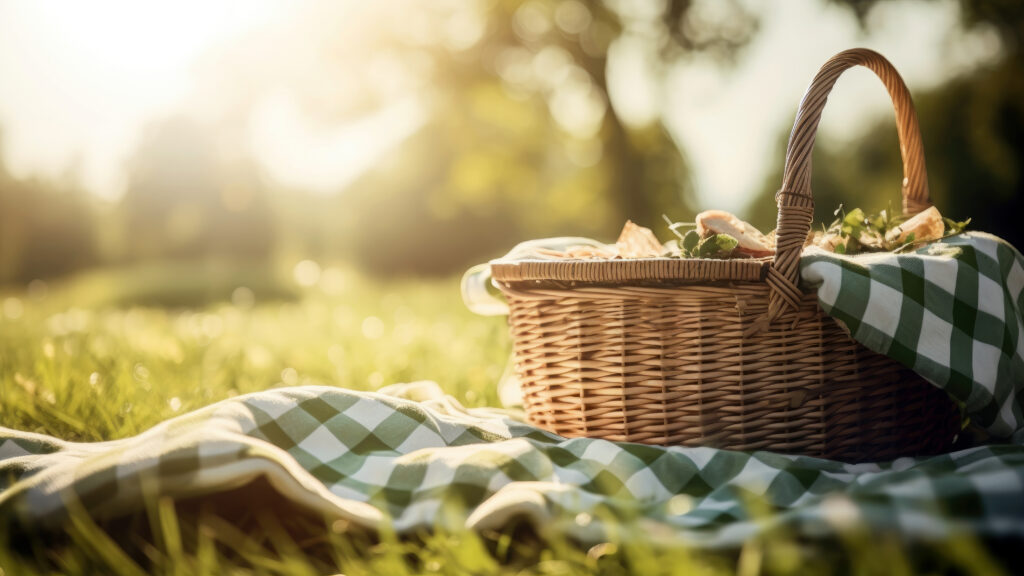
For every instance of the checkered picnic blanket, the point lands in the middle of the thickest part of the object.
(414, 458)
(368, 458)
(952, 311)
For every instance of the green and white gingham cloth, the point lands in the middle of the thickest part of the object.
(413, 458)
(952, 311)
(368, 458)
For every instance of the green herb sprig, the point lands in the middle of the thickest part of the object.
(691, 245)
(860, 232)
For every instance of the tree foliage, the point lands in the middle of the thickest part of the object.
(47, 228)
(188, 198)
(524, 138)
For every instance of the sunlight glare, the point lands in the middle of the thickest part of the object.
(81, 78)
(301, 152)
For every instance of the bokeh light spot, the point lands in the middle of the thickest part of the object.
(37, 290)
(13, 308)
(243, 297)
(332, 281)
(373, 327)
(290, 376)
(376, 379)
(306, 273)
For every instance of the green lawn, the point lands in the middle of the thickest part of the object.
(109, 354)
(86, 362)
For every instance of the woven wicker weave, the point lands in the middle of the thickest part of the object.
(731, 353)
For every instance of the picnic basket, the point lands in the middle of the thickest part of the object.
(724, 353)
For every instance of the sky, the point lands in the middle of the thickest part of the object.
(80, 81)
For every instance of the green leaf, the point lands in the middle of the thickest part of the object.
(705, 248)
(854, 218)
(725, 242)
(716, 246)
(954, 227)
(690, 242)
(840, 249)
(878, 222)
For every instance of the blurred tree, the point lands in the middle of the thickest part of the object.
(524, 138)
(47, 229)
(186, 198)
(973, 132)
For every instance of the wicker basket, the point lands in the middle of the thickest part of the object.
(729, 353)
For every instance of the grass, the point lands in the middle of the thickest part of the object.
(111, 353)
(109, 368)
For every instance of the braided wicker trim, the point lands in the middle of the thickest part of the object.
(670, 271)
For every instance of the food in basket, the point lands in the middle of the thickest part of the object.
(750, 240)
(717, 234)
(638, 242)
(634, 242)
(854, 232)
(925, 226)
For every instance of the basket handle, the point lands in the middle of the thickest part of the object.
(796, 205)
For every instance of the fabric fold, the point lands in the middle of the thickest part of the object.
(369, 458)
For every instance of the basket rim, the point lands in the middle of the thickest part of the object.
(632, 270)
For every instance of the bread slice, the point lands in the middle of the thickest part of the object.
(926, 225)
(638, 242)
(751, 241)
